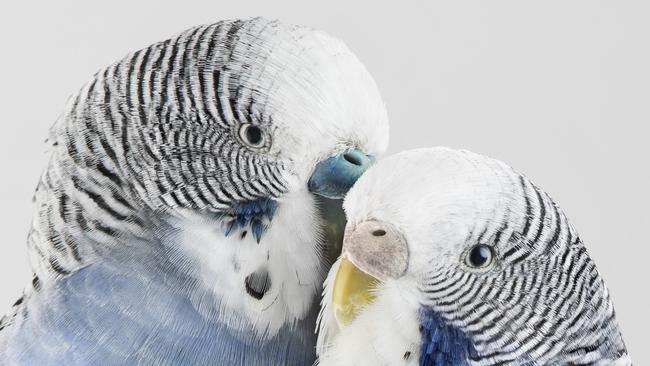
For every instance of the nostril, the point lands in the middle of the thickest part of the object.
(353, 159)
(379, 232)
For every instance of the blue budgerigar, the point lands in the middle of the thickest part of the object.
(179, 219)
(453, 258)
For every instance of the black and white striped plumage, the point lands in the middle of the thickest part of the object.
(184, 168)
(489, 271)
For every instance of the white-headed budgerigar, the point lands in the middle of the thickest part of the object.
(178, 220)
(453, 258)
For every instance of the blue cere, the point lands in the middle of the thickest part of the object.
(333, 177)
(251, 214)
(443, 344)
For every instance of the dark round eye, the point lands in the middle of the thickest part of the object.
(251, 135)
(480, 256)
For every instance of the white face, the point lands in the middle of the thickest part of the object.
(444, 202)
(424, 224)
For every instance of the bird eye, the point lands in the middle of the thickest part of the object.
(251, 135)
(480, 257)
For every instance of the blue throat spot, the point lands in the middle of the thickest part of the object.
(255, 215)
(443, 344)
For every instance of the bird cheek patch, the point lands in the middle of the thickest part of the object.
(258, 283)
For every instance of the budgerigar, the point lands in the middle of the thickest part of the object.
(178, 221)
(453, 258)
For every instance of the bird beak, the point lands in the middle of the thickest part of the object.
(333, 177)
(373, 252)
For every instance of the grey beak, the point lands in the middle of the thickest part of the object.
(376, 248)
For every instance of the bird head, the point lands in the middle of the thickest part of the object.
(451, 257)
(216, 156)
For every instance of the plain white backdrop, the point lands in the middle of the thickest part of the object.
(558, 89)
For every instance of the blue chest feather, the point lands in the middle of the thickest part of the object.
(110, 315)
(443, 344)
(253, 215)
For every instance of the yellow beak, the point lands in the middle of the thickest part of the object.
(353, 290)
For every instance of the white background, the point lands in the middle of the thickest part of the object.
(558, 89)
